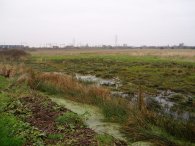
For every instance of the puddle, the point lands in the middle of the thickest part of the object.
(94, 118)
(164, 100)
(120, 94)
(99, 81)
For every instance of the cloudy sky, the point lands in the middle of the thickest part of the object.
(135, 22)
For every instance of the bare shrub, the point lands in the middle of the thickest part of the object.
(13, 55)
(7, 70)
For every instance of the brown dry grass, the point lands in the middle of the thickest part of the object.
(63, 82)
(69, 85)
(181, 53)
(7, 70)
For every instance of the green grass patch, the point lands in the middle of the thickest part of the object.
(49, 88)
(3, 82)
(4, 101)
(162, 135)
(114, 112)
(104, 140)
(10, 131)
(69, 118)
(56, 136)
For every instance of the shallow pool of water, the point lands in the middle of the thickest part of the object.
(164, 100)
(99, 81)
(94, 118)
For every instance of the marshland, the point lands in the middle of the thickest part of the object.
(97, 73)
(97, 97)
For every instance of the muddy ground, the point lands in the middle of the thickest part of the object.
(43, 114)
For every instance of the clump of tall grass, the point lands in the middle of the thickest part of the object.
(115, 111)
(11, 70)
(175, 127)
(7, 70)
(69, 86)
(160, 129)
(4, 71)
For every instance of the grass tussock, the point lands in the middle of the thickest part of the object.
(10, 70)
(69, 86)
(162, 130)
(7, 70)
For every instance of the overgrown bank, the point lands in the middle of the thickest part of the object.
(28, 118)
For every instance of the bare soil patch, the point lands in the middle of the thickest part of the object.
(44, 114)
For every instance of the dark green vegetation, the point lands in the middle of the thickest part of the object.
(8, 136)
(104, 140)
(69, 117)
(11, 136)
(13, 130)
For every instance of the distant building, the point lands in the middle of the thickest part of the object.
(181, 45)
(55, 47)
(12, 46)
(125, 45)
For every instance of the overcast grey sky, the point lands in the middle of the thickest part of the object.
(136, 22)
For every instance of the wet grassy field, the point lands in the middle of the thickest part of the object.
(158, 70)
(154, 70)
(143, 74)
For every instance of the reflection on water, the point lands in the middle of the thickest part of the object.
(168, 106)
(99, 81)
